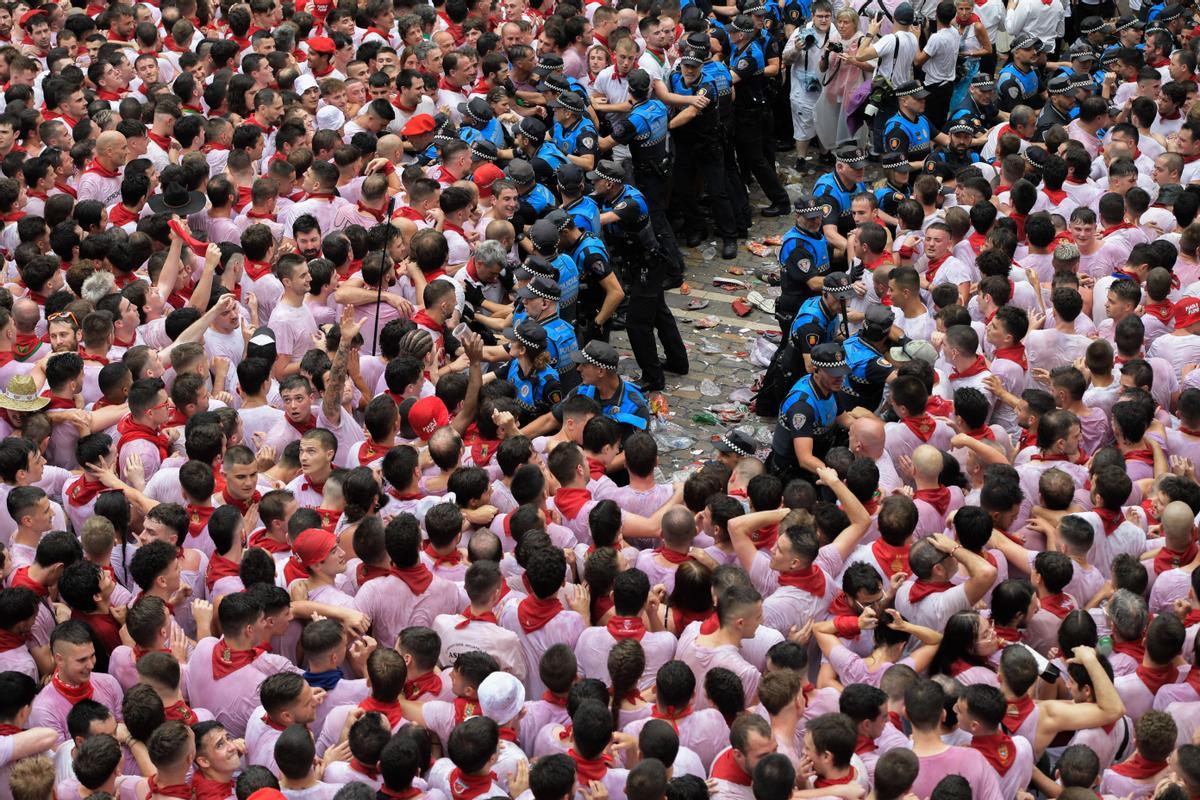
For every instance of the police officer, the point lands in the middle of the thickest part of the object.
(479, 122)
(807, 416)
(626, 220)
(534, 200)
(1060, 109)
(574, 134)
(803, 261)
(909, 132)
(979, 107)
(1083, 58)
(717, 71)
(578, 205)
(536, 381)
(533, 267)
(531, 144)
(958, 154)
(1018, 82)
(820, 319)
(895, 189)
(701, 161)
(618, 400)
(835, 190)
(748, 64)
(646, 131)
(869, 369)
(600, 292)
(544, 234)
(484, 152)
(541, 297)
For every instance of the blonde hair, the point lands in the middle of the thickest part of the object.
(98, 537)
(32, 779)
(847, 14)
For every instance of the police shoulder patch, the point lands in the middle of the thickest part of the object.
(798, 420)
(587, 140)
(813, 339)
(894, 143)
(897, 196)
(826, 209)
(883, 362)
(743, 63)
(805, 264)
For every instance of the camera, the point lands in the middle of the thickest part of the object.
(834, 47)
(810, 39)
(812, 85)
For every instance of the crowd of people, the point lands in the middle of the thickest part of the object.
(320, 479)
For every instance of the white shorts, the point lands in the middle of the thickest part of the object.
(804, 122)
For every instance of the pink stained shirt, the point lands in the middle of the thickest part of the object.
(500, 643)
(930, 520)
(539, 714)
(261, 736)
(564, 628)
(901, 441)
(596, 642)
(226, 697)
(1169, 586)
(1127, 538)
(50, 708)
(933, 610)
(1120, 786)
(392, 606)
(1137, 696)
(702, 659)
(19, 660)
(294, 328)
(1107, 744)
(704, 731)
(657, 569)
(341, 773)
(968, 763)
(349, 691)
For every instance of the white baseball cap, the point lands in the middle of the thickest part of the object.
(304, 82)
(330, 118)
(501, 697)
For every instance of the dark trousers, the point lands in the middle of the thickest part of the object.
(657, 190)
(647, 315)
(734, 184)
(700, 168)
(937, 106)
(748, 135)
(885, 112)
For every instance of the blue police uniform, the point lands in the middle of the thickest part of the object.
(869, 371)
(536, 392)
(913, 137)
(814, 324)
(828, 191)
(802, 255)
(1015, 87)
(550, 153)
(645, 130)
(586, 214)
(982, 117)
(561, 345)
(593, 266)
(890, 196)
(568, 285)
(539, 199)
(628, 407)
(492, 132)
(804, 413)
(633, 226)
(579, 140)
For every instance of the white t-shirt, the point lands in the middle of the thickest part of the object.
(896, 52)
(942, 49)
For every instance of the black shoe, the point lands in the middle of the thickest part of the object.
(676, 370)
(694, 238)
(801, 165)
(617, 323)
(646, 386)
(775, 210)
(729, 249)
(672, 282)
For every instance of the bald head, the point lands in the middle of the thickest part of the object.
(111, 147)
(26, 314)
(1178, 524)
(388, 146)
(679, 527)
(927, 462)
(867, 437)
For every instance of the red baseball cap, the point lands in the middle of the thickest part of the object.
(485, 176)
(1187, 312)
(30, 14)
(322, 44)
(421, 123)
(313, 546)
(427, 415)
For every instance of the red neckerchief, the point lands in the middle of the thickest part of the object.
(1059, 604)
(241, 505)
(364, 769)
(1147, 507)
(101, 360)
(66, 188)
(1119, 227)
(596, 468)
(1016, 354)
(978, 367)
(1139, 768)
(590, 769)
(408, 212)
(220, 567)
(198, 518)
(451, 559)
(131, 431)
(428, 684)
(226, 660)
(390, 710)
(726, 769)
(939, 498)
(304, 426)
(683, 618)
(366, 573)
(376, 214)
(181, 712)
(764, 538)
(119, 215)
(1017, 712)
(59, 403)
(810, 579)
(10, 641)
(180, 790)
(83, 490)
(554, 699)
(1004, 632)
(1172, 559)
(998, 749)
(206, 788)
(273, 546)
(417, 578)
(626, 628)
(482, 451)
(1145, 455)
(922, 426)
(922, 589)
(1080, 457)
(939, 406)
(1110, 520)
(533, 612)
(821, 783)
(571, 501)
(255, 269)
(162, 141)
(467, 787)
(469, 615)
(1162, 311)
(321, 196)
(26, 345)
(244, 196)
(1056, 195)
(671, 714)
(74, 694)
(931, 269)
(99, 169)
(253, 120)
(1135, 650)
(671, 556)
(1154, 678)
(21, 580)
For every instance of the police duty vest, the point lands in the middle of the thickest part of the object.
(568, 279)
(560, 337)
(530, 389)
(816, 245)
(539, 199)
(829, 186)
(550, 153)
(722, 79)
(812, 310)
(651, 121)
(920, 139)
(705, 121)
(824, 408)
(586, 214)
(633, 231)
(583, 132)
(1027, 81)
(623, 408)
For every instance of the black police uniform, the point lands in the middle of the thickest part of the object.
(747, 62)
(701, 160)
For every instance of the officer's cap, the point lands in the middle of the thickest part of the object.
(544, 234)
(1169, 13)
(519, 171)
(1127, 22)
(1082, 51)
(1081, 80)
(742, 23)
(1035, 156)
(547, 64)
(570, 176)
(961, 125)
(598, 354)
(851, 156)
(607, 171)
(697, 40)
(477, 110)
(830, 358)
(555, 82)
(483, 150)
(1092, 25)
(535, 266)
(879, 316)
(1059, 84)
(638, 81)
(540, 286)
(693, 57)
(895, 162)
(558, 218)
(529, 334)
(837, 284)
(984, 82)
(570, 101)
(1027, 42)
(912, 89)
(532, 127)
(808, 208)
(737, 443)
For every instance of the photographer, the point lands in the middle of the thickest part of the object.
(895, 53)
(807, 52)
(939, 59)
